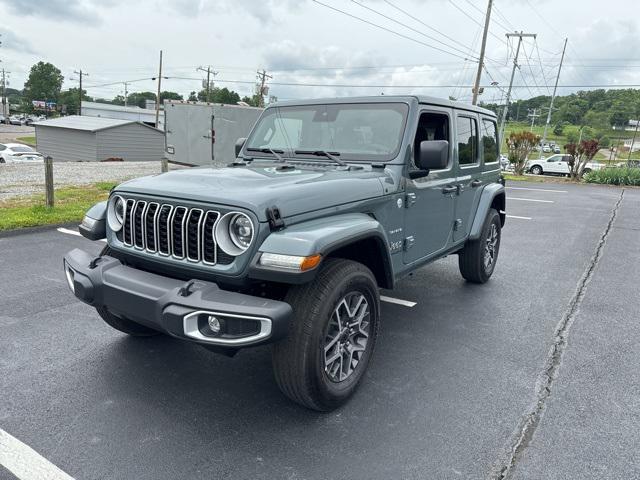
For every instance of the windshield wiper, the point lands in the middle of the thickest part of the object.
(322, 153)
(275, 153)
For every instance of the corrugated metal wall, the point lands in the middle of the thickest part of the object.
(133, 142)
(66, 145)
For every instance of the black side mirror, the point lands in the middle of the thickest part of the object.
(239, 145)
(434, 155)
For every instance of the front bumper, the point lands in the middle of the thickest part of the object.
(173, 306)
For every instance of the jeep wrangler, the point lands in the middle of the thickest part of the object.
(327, 202)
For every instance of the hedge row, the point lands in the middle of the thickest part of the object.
(615, 176)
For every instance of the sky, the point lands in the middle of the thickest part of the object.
(313, 50)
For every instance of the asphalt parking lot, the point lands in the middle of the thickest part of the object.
(533, 375)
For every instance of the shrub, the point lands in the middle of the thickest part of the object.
(615, 176)
(520, 145)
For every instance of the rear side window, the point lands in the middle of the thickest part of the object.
(467, 141)
(490, 141)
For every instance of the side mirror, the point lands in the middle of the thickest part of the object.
(239, 145)
(434, 155)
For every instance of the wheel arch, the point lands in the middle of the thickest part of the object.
(493, 196)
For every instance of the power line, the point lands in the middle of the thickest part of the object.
(386, 29)
(424, 24)
(544, 77)
(409, 27)
(506, 29)
(475, 21)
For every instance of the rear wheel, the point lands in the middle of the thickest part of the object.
(536, 170)
(478, 258)
(120, 323)
(331, 338)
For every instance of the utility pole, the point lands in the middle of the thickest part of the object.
(533, 115)
(158, 95)
(80, 75)
(208, 86)
(3, 94)
(520, 36)
(553, 97)
(476, 87)
(126, 93)
(262, 76)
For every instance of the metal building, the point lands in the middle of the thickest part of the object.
(75, 139)
(136, 114)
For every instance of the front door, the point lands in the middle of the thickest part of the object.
(469, 173)
(429, 201)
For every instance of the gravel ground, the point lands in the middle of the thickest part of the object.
(24, 179)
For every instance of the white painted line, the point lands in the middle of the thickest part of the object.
(25, 463)
(398, 301)
(73, 232)
(519, 218)
(530, 200)
(537, 189)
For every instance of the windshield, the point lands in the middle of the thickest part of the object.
(22, 149)
(370, 132)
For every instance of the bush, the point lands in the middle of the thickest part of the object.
(615, 176)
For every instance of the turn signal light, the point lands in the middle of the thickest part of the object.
(290, 262)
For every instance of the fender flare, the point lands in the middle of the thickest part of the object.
(321, 236)
(490, 193)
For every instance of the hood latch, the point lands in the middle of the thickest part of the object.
(275, 219)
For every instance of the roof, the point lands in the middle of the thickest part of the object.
(389, 99)
(87, 124)
(118, 108)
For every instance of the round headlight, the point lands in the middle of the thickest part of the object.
(241, 231)
(115, 213)
(234, 233)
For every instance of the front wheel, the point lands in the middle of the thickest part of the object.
(536, 170)
(331, 337)
(478, 258)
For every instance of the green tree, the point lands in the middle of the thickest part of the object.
(68, 100)
(44, 83)
(139, 98)
(166, 95)
(219, 95)
(193, 97)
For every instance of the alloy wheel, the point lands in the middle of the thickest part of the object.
(491, 247)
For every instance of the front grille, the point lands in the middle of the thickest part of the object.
(172, 231)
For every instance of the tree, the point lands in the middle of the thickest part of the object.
(139, 99)
(193, 97)
(166, 95)
(520, 145)
(219, 95)
(581, 154)
(69, 100)
(559, 128)
(44, 84)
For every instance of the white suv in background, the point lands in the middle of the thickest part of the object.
(557, 165)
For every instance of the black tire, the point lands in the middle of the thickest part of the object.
(120, 323)
(299, 360)
(536, 170)
(471, 259)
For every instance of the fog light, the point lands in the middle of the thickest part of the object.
(69, 273)
(214, 324)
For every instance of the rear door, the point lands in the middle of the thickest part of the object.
(469, 179)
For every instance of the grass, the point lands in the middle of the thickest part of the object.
(28, 140)
(71, 203)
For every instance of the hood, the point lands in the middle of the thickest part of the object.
(258, 187)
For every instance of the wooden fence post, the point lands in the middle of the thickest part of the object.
(164, 165)
(48, 180)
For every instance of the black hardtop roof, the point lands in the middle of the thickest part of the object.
(422, 99)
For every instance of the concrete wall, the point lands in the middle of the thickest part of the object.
(133, 142)
(66, 145)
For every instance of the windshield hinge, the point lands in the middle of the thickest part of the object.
(275, 220)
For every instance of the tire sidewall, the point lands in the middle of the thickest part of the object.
(333, 393)
(492, 218)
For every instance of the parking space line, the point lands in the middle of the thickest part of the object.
(73, 232)
(398, 301)
(537, 189)
(530, 200)
(25, 463)
(518, 217)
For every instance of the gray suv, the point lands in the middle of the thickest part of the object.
(327, 202)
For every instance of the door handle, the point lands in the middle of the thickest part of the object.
(476, 183)
(449, 189)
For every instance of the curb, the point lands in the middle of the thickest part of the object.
(40, 228)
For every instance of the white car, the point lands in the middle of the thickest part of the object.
(556, 165)
(18, 153)
(17, 120)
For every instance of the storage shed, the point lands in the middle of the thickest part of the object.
(75, 138)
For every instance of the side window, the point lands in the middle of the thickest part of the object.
(554, 158)
(2, 147)
(467, 141)
(490, 141)
(431, 126)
